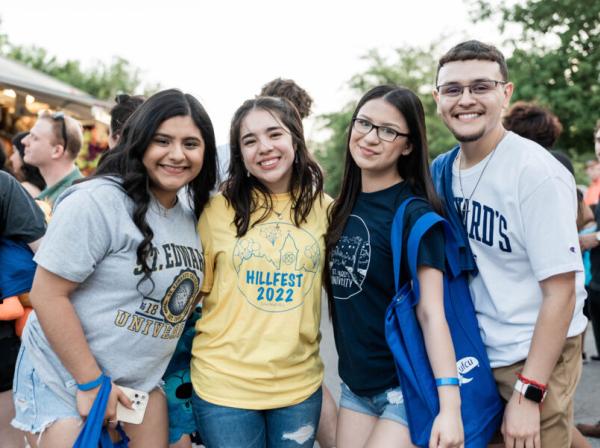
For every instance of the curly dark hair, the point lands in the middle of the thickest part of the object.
(288, 89)
(126, 160)
(533, 122)
(306, 184)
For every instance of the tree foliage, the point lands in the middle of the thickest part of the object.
(410, 67)
(555, 60)
(103, 81)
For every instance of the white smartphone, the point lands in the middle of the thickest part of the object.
(139, 402)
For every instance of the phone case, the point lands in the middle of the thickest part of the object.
(139, 401)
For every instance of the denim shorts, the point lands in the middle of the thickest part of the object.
(388, 405)
(36, 405)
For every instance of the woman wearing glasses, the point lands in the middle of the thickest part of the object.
(118, 272)
(386, 163)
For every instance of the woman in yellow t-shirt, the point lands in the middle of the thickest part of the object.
(255, 368)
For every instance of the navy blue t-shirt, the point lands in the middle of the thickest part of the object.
(362, 278)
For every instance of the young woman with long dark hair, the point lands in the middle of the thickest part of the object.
(256, 369)
(386, 163)
(118, 272)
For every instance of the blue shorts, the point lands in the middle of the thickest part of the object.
(388, 405)
(36, 405)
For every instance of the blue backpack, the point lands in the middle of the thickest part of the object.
(481, 405)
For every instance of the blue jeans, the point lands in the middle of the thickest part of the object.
(289, 427)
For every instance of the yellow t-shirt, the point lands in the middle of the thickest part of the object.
(257, 344)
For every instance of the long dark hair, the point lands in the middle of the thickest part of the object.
(125, 161)
(413, 167)
(241, 190)
(29, 173)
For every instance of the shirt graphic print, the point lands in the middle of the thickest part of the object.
(276, 264)
(350, 259)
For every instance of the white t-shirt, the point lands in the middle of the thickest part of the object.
(522, 230)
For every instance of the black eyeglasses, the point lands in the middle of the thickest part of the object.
(61, 116)
(480, 87)
(385, 133)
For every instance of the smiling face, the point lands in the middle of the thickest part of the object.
(267, 149)
(174, 157)
(472, 117)
(373, 155)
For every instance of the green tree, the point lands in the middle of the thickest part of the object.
(555, 60)
(411, 67)
(103, 81)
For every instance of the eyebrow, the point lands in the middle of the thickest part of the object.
(468, 82)
(162, 134)
(269, 129)
(366, 117)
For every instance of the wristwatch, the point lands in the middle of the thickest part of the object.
(531, 391)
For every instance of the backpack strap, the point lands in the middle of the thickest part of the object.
(396, 237)
(420, 228)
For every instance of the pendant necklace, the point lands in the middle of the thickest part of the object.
(464, 209)
(280, 214)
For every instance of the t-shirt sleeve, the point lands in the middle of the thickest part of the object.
(206, 237)
(549, 215)
(78, 237)
(431, 248)
(20, 217)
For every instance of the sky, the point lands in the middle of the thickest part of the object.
(224, 51)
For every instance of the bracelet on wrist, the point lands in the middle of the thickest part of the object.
(92, 384)
(447, 381)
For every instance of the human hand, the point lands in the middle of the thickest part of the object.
(588, 241)
(521, 423)
(85, 401)
(447, 430)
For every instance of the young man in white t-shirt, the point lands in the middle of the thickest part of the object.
(515, 207)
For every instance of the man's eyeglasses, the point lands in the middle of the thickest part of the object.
(61, 116)
(481, 87)
(385, 133)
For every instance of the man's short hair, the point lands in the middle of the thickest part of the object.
(474, 50)
(73, 131)
(533, 122)
(288, 89)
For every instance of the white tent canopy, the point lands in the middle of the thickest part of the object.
(59, 95)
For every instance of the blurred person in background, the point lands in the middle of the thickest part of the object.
(30, 177)
(121, 111)
(52, 146)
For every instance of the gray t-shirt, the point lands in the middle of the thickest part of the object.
(131, 329)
